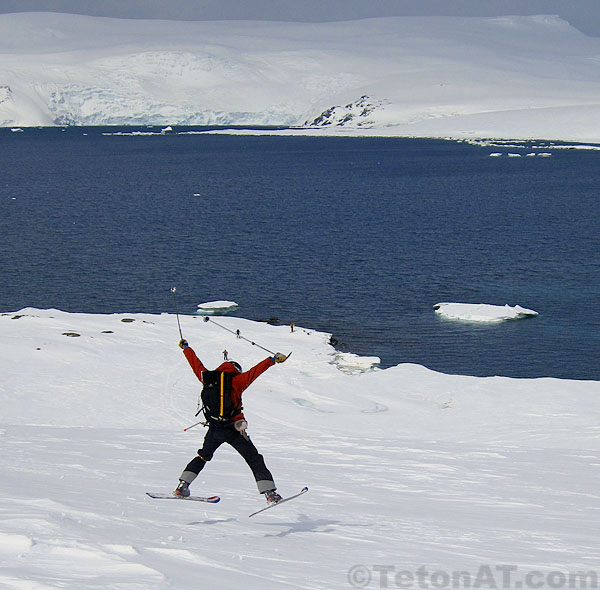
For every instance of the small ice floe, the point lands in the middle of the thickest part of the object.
(16, 130)
(544, 155)
(482, 312)
(166, 129)
(197, 195)
(216, 307)
(133, 133)
(496, 155)
(349, 362)
(513, 155)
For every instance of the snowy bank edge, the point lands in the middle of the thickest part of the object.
(389, 133)
(346, 362)
(483, 140)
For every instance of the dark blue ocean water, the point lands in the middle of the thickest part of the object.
(358, 237)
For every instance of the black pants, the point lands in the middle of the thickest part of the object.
(215, 437)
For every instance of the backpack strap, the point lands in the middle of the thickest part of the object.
(221, 395)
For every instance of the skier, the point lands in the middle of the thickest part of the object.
(230, 429)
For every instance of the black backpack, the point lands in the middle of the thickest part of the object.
(216, 396)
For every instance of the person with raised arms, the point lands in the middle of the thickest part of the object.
(222, 406)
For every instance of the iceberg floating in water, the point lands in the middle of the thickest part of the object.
(482, 312)
(216, 307)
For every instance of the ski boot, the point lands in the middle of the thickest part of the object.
(183, 489)
(272, 497)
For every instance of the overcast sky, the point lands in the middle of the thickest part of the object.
(583, 14)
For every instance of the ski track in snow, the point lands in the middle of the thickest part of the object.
(450, 472)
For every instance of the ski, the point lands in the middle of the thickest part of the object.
(302, 491)
(210, 500)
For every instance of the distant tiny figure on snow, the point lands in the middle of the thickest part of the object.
(222, 406)
(225, 355)
(291, 327)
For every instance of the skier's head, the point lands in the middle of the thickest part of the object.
(230, 367)
(236, 366)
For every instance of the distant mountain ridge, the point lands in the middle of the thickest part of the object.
(511, 77)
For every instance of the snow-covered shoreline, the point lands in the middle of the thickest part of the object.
(464, 78)
(536, 146)
(90, 347)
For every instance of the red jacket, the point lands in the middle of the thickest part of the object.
(239, 382)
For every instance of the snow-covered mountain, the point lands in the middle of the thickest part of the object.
(462, 77)
(413, 476)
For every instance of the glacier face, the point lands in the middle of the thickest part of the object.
(438, 76)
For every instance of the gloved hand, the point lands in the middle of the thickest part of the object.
(240, 425)
(279, 358)
(183, 343)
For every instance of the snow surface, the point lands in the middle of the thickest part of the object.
(512, 76)
(407, 468)
(482, 312)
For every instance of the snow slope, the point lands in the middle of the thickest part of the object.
(411, 472)
(461, 77)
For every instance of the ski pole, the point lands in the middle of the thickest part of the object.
(192, 426)
(237, 334)
(174, 290)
